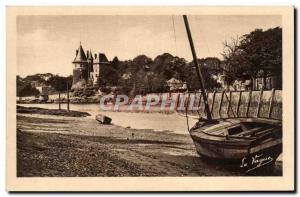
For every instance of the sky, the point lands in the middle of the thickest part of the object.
(48, 43)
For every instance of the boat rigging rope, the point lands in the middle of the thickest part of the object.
(187, 118)
(175, 40)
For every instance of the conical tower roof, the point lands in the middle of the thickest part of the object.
(90, 56)
(101, 58)
(80, 55)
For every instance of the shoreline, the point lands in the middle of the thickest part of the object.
(59, 146)
(56, 112)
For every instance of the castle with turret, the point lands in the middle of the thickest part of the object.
(87, 68)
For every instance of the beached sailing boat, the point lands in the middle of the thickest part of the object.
(251, 144)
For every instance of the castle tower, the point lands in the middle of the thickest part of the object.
(100, 59)
(80, 71)
(90, 61)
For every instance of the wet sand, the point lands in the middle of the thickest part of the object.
(72, 146)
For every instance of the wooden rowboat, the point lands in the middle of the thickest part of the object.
(249, 143)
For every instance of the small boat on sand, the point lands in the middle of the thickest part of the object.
(103, 119)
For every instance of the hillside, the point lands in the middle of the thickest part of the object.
(28, 86)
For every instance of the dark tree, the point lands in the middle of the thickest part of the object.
(115, 63)
(257, 54)
(108, 76)
(208, 68)
(27, 90)
(60, 83)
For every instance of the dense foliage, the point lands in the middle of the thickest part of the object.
(27, 86)
(27, 90)
(257, 54)
(144, 75)
(60, 83)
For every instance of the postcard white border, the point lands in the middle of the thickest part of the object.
(282, 183)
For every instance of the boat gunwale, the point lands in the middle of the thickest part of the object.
(228, 136)
(249, 119)
(223, 143)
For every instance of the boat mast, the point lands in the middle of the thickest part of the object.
(202, 86)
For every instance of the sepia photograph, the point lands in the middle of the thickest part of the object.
(189, 94)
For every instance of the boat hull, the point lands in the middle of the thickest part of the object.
(248, 154)
(240, 159)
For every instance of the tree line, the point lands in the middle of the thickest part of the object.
(27, 86)
(253, 55)
(145, 75)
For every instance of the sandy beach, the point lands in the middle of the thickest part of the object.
(57, 146)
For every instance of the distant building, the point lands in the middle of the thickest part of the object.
(220, 78)
(44, 97)
(45, 89)
(35, 84)
(176, 85)
(126, 76)
(270, 82)
(39, 88)
(87, 68)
